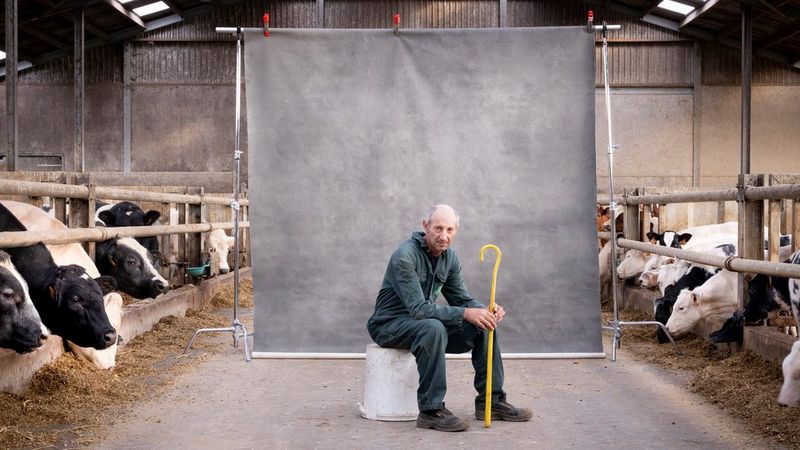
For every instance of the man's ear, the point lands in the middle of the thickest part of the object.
(424, 224)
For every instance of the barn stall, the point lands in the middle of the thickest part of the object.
(159, 98)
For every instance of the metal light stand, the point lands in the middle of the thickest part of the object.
(236, 326)
(615, 324)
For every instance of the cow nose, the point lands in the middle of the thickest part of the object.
(110, 337)
(224, 270)
(162, 287)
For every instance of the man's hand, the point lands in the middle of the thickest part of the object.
(483, 318)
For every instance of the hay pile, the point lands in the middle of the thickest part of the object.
(68, 391)
(742, 384)
(223, 298)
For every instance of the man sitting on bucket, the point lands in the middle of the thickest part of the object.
(407, 316)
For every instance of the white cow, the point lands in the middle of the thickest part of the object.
(716, 295)
(219, 243)
(790, 391)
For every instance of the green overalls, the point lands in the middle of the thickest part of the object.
(407, 316)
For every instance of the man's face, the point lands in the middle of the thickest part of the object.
(440, 231)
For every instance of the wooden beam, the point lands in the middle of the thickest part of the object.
(650, 7)
(78, 78)
(699, 12)
(12, 129)
(42, 36)
(780, 36)
(174, 7)
(124, 11)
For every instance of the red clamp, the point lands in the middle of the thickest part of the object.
(590, 22)
(266, 25)
(396, 24)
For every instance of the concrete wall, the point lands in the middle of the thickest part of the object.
(775, 139)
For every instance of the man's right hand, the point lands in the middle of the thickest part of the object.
(481, 318)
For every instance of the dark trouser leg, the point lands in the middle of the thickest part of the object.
(477, 339)
(427, 340)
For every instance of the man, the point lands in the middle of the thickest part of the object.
(407, 316)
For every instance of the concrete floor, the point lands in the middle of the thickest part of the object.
(278, 404)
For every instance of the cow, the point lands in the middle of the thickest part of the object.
(662, 306)
(790, 390)
(124, 259)
(21, 328)
(717, 295)
(132, 266)
(219, 243)
(127, 214)
(21, 216)
(767, 296)
(68, 300)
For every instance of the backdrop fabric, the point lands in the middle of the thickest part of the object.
(353, 134)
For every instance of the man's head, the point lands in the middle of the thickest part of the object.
(441, 226)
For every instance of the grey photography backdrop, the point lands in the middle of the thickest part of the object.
(353, 134)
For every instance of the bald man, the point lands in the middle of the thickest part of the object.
(407, 316)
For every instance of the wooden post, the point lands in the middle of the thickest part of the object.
(720, 212)
(180, 269)
(194, 257)
(631, 221)
(751, 230)
(60, 203)
(172, 248)
(796, 227)
(90, 209)
(774, 230)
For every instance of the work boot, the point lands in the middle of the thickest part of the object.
(441, 420)
(503, 410)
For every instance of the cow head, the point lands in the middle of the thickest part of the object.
(633, 264)
(127, 214)
(668, 238)
(686, 312)
(106, 358)
(219, 243)
(759, 298)
(732, 330)
(662, 309)
(78, 300)
(21, 327)
(131, 266)
(790, 390)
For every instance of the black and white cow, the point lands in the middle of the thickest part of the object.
(68, 300)
(132, 266)
(766, 296)
(21, 328)
(662, 306)
(790, 390)
(127, 214)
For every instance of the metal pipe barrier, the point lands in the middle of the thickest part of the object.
(67, 236)
(732, 263)
(18, 187)
(784, 191)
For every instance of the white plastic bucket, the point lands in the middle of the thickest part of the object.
(390, 385)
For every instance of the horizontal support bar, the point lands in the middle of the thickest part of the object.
(735, 264)
(783, 191)
(19, 187)
(25, 238)
(461, 356)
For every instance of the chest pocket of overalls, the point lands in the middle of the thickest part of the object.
(438, 282)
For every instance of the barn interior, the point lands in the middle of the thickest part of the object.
(113, 100)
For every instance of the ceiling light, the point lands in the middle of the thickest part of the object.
(150, 9)
(677, 7)
(2, 55)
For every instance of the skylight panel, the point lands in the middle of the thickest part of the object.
(677, 7)
(150, 9)
(2, 55)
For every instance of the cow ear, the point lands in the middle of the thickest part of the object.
(694, 298)
(151, 217)
(106, 217)
(52, 290)
(684, 238)
(107, 284)
(650, 235)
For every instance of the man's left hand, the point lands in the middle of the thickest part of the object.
(499, 312)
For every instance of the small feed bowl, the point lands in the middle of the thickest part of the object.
(197, 271)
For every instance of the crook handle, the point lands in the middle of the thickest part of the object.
(494, 273)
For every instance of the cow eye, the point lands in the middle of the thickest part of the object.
(212, 250)
(8, 294)
(131, 262)
(75, 298)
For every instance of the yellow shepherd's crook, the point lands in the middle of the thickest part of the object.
(487, 412)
